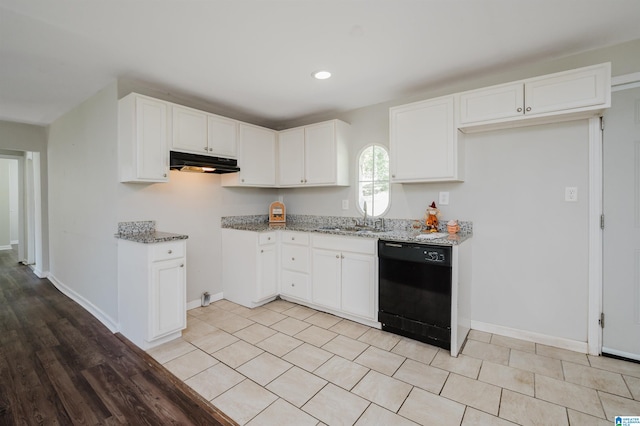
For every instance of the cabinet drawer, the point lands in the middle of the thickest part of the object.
(295, 284)
(290, 237)
(267, 238)
(165, 251)
(295, 258)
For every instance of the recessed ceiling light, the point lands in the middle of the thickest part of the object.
(321, 75)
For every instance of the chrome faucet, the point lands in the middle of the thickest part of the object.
(364, 221)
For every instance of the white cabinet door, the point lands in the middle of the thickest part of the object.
(222, 136)
(256, 156)
(358, 284)
(189, 130)
(567, 90)
(291, 154)
(167, 298)
(325, 279)
(492, 103)
(320, 153)
(423, 142)
(267, 273)
(143, 150)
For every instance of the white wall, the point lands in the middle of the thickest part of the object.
(82, 150)
(5, 216)
(13, 201)
(192, 204)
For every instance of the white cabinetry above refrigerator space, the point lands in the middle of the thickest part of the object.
(575, 93)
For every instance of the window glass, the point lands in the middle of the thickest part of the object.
(373, 180)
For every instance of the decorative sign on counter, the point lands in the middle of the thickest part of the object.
(277, 212)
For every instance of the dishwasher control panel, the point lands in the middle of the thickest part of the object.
(412, 252)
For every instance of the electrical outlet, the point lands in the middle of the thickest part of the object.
(571, 194)
(345, 204)
(443, 199)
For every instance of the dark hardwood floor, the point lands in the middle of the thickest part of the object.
(59, 365)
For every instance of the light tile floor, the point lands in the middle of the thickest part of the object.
(285, 364)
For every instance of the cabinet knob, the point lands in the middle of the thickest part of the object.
(519, 110)
(242, 180)
(293, 284)
(342, 256)
(210, 149)
(293, 258)
(164, 175)
(206, 149)
(269, 238)
(170, 251)
(301, 180)
(337, 256)
(528, 109)
(261, 251)
(182, 265)
(293, 238)
(393, 176)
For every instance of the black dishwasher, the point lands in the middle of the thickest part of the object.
(415, 291)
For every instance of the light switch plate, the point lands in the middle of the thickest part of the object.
(345, 204)
(443, 199)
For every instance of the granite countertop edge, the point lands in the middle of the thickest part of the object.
(151, 237)
(391, 235)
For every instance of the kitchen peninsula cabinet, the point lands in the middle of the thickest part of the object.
(202, 133)
(152, 291)
(143, 149)
(423, 142)
(314, 155)
(344, 275)
(256, 158)
(249, 267)
(570, 92)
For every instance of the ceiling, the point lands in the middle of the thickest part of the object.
(256, 57)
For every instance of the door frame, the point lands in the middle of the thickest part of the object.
(596, 175)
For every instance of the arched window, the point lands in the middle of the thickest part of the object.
(373, 180)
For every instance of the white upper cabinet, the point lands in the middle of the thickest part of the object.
(256, 158)
(189, 130)
(314, 155)
(291, 155)
(423, 142)
(575, 93)
(203, 133)
(143, 149)
(222, 136)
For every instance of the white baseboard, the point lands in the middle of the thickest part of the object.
(197, 303)
(38, 273)
(6, 247)
(530, 336)
(87, 305)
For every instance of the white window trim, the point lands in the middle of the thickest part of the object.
(357, 174)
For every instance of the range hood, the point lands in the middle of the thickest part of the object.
(202, 163)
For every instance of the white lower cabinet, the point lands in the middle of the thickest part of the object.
(249, 266)
(152, 291)
(344, 275)
(294, 264)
